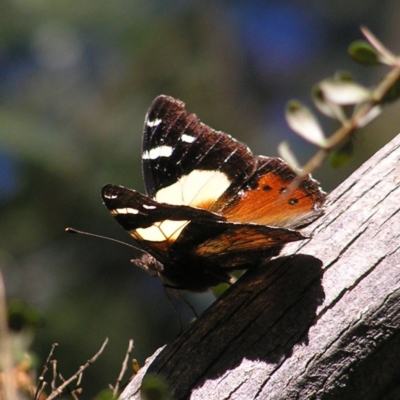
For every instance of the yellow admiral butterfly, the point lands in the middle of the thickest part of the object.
(211, 205)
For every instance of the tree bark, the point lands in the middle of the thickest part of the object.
(321, 323)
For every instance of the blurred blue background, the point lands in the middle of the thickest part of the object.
(76, 80)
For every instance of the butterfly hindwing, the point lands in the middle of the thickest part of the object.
(197, 248)
(155, 226)
(233, 245)
(267, 198)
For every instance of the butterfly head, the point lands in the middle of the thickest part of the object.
(149, 264)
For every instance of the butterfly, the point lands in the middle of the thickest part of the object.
(211, 206)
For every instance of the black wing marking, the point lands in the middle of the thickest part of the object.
(149, 211)
(176, 143)
(155, 226)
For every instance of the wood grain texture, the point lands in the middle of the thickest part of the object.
(320, 322)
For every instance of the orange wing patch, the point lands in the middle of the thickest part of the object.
(265, 198)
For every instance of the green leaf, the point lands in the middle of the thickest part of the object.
(385, 55)
(343, 76)
(287, 154)
(363, 53)
(338, 158)
(325, 106)
(344, 92)
(393, 93)
(304, 123)
(154, 388)
(21, 316)
(105, 394)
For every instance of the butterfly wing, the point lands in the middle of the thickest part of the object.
(204, 254)
(232, 245)
(155, 226)
(185, 162)
(265, 198)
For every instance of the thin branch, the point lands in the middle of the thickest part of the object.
(387, 82)
(306, 169)
(41, 382)
(351, 124)
(40, 390)
(379, 47)
(123, 369)
(56, 392)
(78, 382)
(54, 380)
(360, 116)
(75, 392)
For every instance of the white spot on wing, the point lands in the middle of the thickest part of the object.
(197, 187)
(187, 138)
(152, 124)
(161, 231)
(110, 196)
(126, 210)
(149, 207)
(157, 152)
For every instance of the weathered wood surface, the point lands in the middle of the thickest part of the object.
(322, 323)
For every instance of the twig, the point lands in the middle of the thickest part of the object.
(353, 123)
(41, 382)
(78, 382)
(123, 369)
(56, 392)
(75, 392)
(54, 380)
(40, 390)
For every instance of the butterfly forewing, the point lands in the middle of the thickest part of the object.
(153, 225)
(186, 162)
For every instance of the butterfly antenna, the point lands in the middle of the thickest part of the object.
(72, 230)
(168, 294)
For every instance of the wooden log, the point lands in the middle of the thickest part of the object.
(320, 322)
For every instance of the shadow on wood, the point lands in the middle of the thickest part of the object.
(266, 313)
(319, 326)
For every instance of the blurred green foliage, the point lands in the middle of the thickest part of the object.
(362, 52)
(155, 388)
(75, 83)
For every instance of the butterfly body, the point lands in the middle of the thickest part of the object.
(211, 205)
